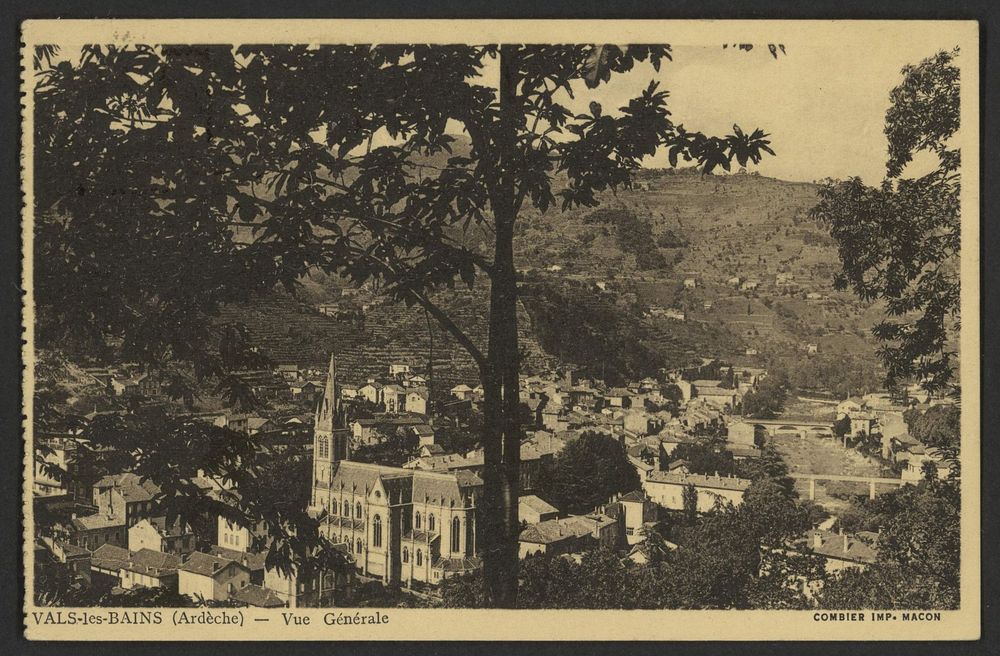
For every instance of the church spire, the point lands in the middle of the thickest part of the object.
(328, 410)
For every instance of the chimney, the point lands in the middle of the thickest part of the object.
(846, 542)
(817, 540)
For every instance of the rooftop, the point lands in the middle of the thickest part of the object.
(699, 480)
(556, 530)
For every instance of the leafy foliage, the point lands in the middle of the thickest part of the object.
(586, 473)
(395, 448)
(919, 551)
(152, 159)
(939, 426)
(900, 242)
(767, 400)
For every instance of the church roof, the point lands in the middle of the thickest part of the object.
(425, 486)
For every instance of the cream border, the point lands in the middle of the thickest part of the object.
(549, 625)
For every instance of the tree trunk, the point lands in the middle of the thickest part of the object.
(501, 432)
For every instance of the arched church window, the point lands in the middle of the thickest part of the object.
(456, 528)
(416, 520)
(377, 531)
(430, 522)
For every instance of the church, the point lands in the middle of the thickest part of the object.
(401, 525)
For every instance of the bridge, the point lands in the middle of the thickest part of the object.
(871, 480)
(769, 427)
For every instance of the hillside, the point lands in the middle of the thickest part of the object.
(590, 276)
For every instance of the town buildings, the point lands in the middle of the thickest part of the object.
(399, 525)
(667, 489)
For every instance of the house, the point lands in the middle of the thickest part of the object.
(681, 466)
(371, 392)
(668, 441)
(572, 534)
(414, 380)
(748, 285)
(711, 391)
(424, 434)
(852, 405)
(76, 561)
(814, 296)
(258, 597)
(745, 433)
(328, 309)
(259, 425)
(430, 450)
(394, 398)
(416, 400)
(864, 422)
(127, 496)
(812, 348)
(533, 509)
(316, 590)
(252, 560)
(60, 454)
(306, 390)
(639, 511)
(149, 569)
(157, 534)
(734, 281)
(238, 538)
(918, 457)
(675, 314)
(397, 369)
(667, 489)
(365, 431)
(751, 351)
(461, 391)
(841, 551)
(139, 385)
(106, 563)
(690, 283)
(618, 397)
(289, 372)
(210, 577)
(92, 531)
(641, 422)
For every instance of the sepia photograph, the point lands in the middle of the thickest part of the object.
(456, 329)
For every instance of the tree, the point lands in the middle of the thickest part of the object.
(900, 242)
(939, 426)
(919, 551)
(174, 146)
(842, 426)
(395, 448)
(587, 473)
(689, 499)
(701, 458)
(766, 401)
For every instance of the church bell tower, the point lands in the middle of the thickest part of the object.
(331, 437)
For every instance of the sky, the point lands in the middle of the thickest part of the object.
(824, 109)
(823, 106)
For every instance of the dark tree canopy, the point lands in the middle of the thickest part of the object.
(587, 473)
(900, 242)
(174, 179)
(938, 426)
